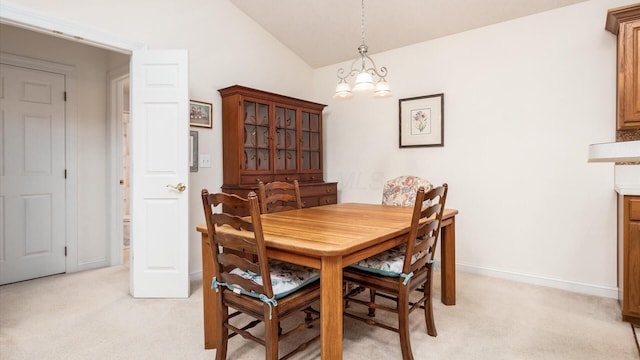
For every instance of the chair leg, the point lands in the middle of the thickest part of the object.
(372, 299)
(271, 331)
(221, 330)
(428, 307)
(403, 325)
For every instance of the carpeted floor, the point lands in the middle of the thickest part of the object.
(89, 315)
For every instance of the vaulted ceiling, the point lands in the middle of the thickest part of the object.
(324, 32)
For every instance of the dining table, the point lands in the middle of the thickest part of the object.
(330, 238)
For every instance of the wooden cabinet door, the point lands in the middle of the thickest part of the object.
(631, 303)
(629, 76)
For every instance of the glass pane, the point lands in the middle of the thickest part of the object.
(291, 160)
(305, 120)
(305, 140)
(279, 117)
(250, 135)
(291, 139)
(315, 160)
(306, 160)
(315, 122)
(249, 112)
(250, 159)
(263, 137)
(315, 141)
(291, 119)
(263, 114)
(280, 138)
(280, 159)
(263, 159)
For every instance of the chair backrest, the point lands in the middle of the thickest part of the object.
(423, 235)
(401, 191)
(231, 251)
(279, 196)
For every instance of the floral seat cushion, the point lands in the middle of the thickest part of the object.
(286, 278)
(390, 262)
(402, 190)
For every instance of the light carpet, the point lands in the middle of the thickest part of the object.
(90, 315)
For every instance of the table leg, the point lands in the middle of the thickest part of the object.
(331, 308)
(208, 302)
(448, 261)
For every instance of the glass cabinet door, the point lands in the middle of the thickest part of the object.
(310, 141)
(256, 136)
(286, 147)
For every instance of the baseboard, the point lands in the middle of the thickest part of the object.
(573, 286)
(195, 276)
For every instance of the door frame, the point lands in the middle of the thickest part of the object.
(15, 15)
(115, 160)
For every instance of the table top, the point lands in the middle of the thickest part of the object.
(333, 230)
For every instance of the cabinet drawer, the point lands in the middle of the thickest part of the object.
(319, 189)
(286, 178)
(311, 177)
(254, 179)
(310, 201)
(634, 209)
(328, 200)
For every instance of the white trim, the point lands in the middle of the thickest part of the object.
(114, 161)
(573, 286)
(16, 15)
(71, 162)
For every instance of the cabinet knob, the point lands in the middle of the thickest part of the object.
(287, 178)
(328, 191)
(257, 179)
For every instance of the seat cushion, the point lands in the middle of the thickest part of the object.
(286, 278)
(402, 190)
(388, 263)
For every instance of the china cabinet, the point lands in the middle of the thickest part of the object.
(270, 137)
(625, 23)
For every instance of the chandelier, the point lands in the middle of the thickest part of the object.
(365, 74)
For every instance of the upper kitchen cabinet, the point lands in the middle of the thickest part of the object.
(625, 23)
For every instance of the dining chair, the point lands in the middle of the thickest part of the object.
(279, 196)
(394, 274)
(401, 191)
(266, 290)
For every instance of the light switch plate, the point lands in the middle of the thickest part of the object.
(205, 160)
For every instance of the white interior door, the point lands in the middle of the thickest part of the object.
(159, 160)
(32, 173)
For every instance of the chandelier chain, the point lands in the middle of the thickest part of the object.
(362, 23)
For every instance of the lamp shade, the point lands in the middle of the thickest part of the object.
(364, 82)
(382, 89)
(343, 91)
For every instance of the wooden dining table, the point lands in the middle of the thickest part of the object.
(329, 238)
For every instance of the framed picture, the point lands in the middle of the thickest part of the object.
(193, 154)
(422, 121)
(200, 114)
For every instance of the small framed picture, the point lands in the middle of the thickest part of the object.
(200, 114)
(422, 121)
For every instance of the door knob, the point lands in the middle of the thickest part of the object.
(180, 187)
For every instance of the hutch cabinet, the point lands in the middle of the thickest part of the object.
(269, 137)
(629, 257)
(625, 23)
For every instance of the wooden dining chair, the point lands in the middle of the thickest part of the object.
(279, 196)
(266, 290)
(396, 273)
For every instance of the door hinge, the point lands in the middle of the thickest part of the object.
(65, 96)
(65, 251)
(65, 173)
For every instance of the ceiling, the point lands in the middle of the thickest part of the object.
(325, 32)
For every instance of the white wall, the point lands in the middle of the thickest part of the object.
(89, 110)
(523, 100)
(225, 48)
